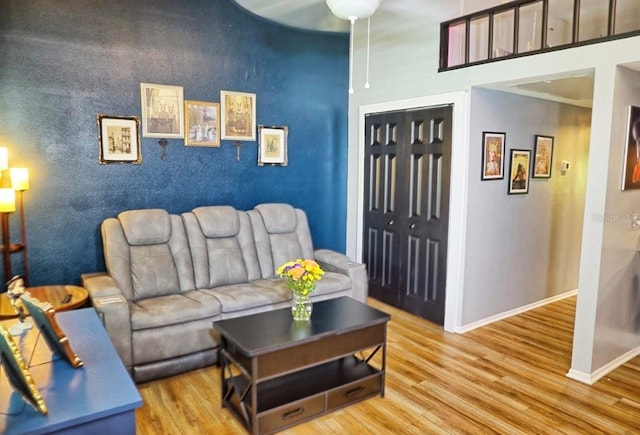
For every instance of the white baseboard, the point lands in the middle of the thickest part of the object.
(510, 313)
(592, 378)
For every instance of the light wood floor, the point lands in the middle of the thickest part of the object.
(507, 378)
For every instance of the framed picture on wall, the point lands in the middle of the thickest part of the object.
(238, 115)
(162, 110)
(493, 155)
(118, 139)
(631, 170)
(519, 171)
(272, 146)
(543, 154)
(201, 124)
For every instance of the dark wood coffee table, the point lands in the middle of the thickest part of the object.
(277, 372)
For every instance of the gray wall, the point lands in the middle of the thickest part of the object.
(523, 248)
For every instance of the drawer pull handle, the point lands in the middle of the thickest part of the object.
(292, 413)
(354, 392)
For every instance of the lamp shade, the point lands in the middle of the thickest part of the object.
(19, 178)
(4, 158)
(353, 9)
(7, 200)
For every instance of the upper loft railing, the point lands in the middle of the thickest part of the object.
(525, 27)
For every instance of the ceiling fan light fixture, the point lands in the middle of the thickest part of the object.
(353, 9)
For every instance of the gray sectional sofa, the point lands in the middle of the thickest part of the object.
(170, 276)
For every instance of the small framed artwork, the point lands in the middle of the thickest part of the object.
(201, 124)
(162, 111)
(238, 115)
(631, 170)
(519, 171)
(119, 139)
(543, 155)
(493, 155)
(272, 145)
(20, 378)
(43, 316)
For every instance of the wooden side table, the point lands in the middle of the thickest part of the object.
(54, 294)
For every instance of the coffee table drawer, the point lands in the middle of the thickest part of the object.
(291, 414)
(354, 392)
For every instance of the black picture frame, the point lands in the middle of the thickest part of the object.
(272, 145)
(631, 169)
(519, 164)
(493, 144)
(542, 157)
(119, 139)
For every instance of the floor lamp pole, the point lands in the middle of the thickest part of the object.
(6, 247)
(23, 240)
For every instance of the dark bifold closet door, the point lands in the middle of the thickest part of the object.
(406, 208)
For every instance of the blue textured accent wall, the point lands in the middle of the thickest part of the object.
(63, 62)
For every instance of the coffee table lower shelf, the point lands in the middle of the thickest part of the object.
(290, 399)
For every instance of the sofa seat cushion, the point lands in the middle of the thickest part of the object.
(172, 309)
(164, 343)
(330, 283)
(241, 297)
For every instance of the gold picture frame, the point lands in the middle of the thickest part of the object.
(238, 115)
(272, 145)
(162, 110)
(201, 123)
(18, 373)
(43, 316)
(119, 139)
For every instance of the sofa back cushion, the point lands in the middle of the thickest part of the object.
(146, 252)
(282, 234)
(222, 246)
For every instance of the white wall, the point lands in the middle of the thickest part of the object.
(404, 61)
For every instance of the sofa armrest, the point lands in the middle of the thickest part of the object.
(332, 261)
(113, 309)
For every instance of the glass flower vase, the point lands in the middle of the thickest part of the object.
(301, 306)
